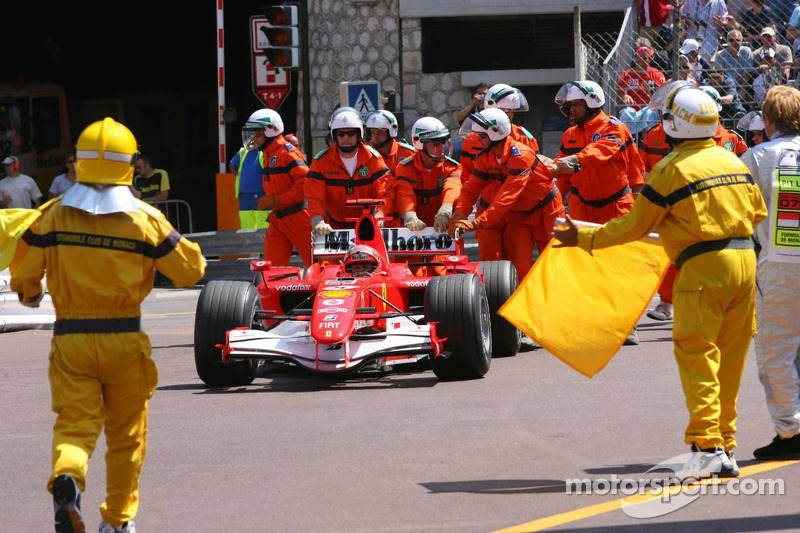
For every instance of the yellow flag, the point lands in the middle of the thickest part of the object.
(13, 223)
(581, 307)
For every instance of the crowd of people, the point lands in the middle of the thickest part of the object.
(741, 53)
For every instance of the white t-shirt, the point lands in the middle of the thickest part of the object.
(349, 164)
(61, 185)
(22, 189)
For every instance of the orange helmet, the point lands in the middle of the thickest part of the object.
(361, 254)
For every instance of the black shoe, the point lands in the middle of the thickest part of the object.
(779, 448)
(527, 344)
(67, 503)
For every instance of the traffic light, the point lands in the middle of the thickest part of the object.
(283, 36)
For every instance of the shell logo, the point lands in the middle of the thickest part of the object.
(336, 294)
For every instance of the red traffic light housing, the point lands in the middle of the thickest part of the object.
(283, 36)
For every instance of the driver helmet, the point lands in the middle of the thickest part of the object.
(361, 260)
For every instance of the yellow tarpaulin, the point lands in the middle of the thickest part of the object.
(13, 223)
(581, 307)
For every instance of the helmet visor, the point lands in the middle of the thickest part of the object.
(253, 138)
(752, 121)
(515, 101)
(659, 99)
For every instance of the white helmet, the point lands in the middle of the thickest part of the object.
(494, 122)
(689, 113)
(752, 121)
(505, 97)
(346, 118)
(714, 94)
(427, 130)
(383, 120)
(264, 119)
(588, 91)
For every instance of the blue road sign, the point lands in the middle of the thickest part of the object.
(363, 96)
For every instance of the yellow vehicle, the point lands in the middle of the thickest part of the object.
(34, 127)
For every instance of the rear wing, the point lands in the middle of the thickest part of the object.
(399, 242)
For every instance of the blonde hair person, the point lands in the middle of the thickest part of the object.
(777, 345)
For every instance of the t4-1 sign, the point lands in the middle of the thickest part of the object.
(271, 85)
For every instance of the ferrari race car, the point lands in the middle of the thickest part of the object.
(336, 319)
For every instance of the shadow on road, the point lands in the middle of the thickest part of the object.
(498, 486)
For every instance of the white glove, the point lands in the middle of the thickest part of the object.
(442, 220)
(378, 216)
(412, 222)
(322, 228)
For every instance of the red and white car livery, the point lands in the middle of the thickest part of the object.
(329, 321)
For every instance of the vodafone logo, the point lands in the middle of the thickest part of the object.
(294, 287)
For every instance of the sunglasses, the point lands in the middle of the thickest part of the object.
(349, 133)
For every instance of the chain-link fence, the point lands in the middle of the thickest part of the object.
(741, 57)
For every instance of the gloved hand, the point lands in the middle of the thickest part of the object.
(265, 202)
(565, 165)
(322, 228)
(442, 219)
(413, 222)
(378, 215)
(31, 302)
(451, 227)
(463, 226)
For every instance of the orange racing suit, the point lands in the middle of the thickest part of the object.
(526, 199)
(610, 166)
(328, 185)
(284, 177)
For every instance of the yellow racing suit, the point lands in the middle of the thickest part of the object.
(99, 270)
(704, 204)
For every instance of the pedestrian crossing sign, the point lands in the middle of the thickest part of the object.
(363, 96)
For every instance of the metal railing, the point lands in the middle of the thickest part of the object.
(178, 212)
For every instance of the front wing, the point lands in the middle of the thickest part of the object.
(291, 342)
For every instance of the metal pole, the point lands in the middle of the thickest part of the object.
(576, 30)
(305, 69)
(221, 83)
(676, 40)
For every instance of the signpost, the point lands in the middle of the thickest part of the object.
(270, 84)
(363, 96)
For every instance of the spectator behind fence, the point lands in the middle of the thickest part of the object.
(755, 18)
(736, 59)
(770, 75)
(732, 107)
(703, 19)
(652, 14)
(783, 54)
(664, 43)
(638, 82)
(150, 184)
(690, 48)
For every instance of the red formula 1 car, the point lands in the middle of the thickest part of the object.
(335, 319)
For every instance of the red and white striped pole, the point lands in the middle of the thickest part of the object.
(221, 84)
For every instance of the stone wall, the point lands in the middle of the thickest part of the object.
(360, 40)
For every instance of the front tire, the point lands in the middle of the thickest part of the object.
(223, 305)
(458, 305)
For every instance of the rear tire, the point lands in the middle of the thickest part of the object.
(500, 281)
(223, 305)
(458, 305)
